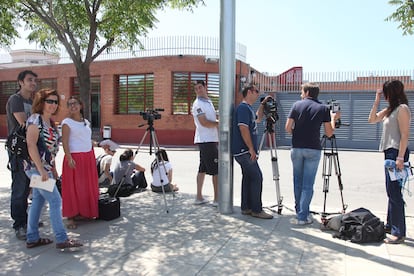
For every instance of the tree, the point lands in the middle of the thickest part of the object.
(404, 15)
(86, 28)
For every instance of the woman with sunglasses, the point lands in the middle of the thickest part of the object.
(43, 145)
(80, 190)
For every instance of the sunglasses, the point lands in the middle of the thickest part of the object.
(73, 103)
(49, 101)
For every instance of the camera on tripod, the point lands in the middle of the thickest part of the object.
(270, 109)
(151, 114)
(333, 105)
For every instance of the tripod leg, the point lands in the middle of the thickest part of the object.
(261, 142)
(326, 173)
(275, 170)
(156, 145)
(341, 187)
(142, 141)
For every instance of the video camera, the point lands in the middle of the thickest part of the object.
(270, 109)
(333, 105)
(151, 114)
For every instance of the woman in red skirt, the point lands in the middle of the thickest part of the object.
(80, 189)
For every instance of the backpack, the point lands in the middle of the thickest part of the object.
(139, 180)
(125, 190)
(16, 143)
(98, 164)
(361, 226)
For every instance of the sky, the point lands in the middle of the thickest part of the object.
(319, 35)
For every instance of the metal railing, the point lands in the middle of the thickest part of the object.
(167, 46)
(333, 81)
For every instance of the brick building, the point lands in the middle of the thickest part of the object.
(121, 89)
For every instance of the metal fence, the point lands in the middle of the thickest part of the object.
(291, 80)
(167, 46)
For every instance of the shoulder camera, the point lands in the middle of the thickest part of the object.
(270, 109)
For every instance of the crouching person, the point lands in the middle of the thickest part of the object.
(161, 171)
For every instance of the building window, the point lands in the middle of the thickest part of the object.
(183, 90)
(7, 88)
(134, 93)
(47, 83)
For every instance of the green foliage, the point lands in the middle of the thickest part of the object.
(84, 27)
(404, 14)
(8, 22)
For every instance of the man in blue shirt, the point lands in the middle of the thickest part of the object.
(244, 148)
(304, 123)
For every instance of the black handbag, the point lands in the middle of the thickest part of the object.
(109, 207)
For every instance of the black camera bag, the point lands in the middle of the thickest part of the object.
(109, 207)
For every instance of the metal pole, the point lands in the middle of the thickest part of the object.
(227, 88)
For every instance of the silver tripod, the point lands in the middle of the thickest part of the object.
(271, 138)
(153, 144)
(330, 159)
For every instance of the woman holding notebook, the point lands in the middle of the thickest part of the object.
(42, 143)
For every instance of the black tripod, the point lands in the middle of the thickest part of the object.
(153, 143)
(271, 137)
(330, 157)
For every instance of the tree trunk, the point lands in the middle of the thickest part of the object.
(84, 78)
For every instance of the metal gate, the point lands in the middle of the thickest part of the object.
(355, 108)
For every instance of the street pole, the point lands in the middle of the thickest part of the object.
(226, 106)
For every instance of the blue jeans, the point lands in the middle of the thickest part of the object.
(251, 194)
(55, 213)
(19, 192)
(305, 165)
(396, 211)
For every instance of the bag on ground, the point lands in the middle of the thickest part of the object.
(139, 180)
(125, 190)
(361, 226)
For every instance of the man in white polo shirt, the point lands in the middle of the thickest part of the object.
(206, 137)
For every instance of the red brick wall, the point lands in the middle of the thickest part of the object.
(170, 129)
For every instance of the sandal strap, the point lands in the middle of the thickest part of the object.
(69, 244)
(39, 242)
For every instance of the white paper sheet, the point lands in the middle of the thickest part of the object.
(36, 182)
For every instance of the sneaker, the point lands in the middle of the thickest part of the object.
(20, 233)
(305, 222)
(246, 212)
(199, 202)
(215, 204)
(262, 215)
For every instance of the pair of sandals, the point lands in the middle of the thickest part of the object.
(71, 224)
(63, 245)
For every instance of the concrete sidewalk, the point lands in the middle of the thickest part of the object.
(198, 240)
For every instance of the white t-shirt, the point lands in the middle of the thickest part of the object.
(203, 106)
(80, 135)
(156, 174)
(107, 159)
